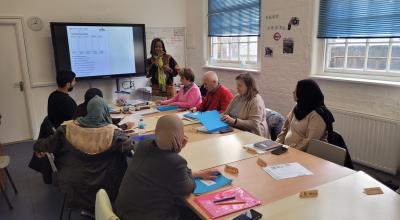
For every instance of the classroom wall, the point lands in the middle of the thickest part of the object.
(153, 13)
(280, 73)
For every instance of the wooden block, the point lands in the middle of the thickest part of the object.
(373, 191)
(231, 169)
(251, 150)
(261, 162)
(308, 194)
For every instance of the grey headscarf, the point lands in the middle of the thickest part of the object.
(97, 114)
(169, 133)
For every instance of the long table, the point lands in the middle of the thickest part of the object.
(213, 152)
(338, 200)
(262, 186)
(340, 189)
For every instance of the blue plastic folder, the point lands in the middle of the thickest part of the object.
(204, 186)
(167, 108)
(193, 116)
(143, 137)
(211, 120)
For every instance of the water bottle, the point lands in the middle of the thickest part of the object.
(141, 124)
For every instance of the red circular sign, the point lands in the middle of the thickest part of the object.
(277, 36)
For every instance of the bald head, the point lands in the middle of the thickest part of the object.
(210, 80)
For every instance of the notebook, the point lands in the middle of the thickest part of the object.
(213, 210)
(167, 108)
(204, 186)
(266, 145)
(212, 121)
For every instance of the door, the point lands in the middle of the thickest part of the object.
(15, 125)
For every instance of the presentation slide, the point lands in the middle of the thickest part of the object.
(96, 50)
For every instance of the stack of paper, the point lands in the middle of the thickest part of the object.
(287, 170)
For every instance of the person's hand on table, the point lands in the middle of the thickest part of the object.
(207, 174)
(130, 125)
(194, 109)
(158, 102)
(228, 119)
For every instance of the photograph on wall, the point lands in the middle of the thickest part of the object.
(288, 45)
(268, 52)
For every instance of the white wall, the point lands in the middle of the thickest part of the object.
(279, 74)
(153, 13)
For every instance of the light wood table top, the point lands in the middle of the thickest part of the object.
(338, 200)
(194, 135)
(261, 185)
(213, 152)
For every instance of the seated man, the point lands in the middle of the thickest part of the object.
(218, 96)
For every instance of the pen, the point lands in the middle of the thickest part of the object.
(224, 199)
(231, 203)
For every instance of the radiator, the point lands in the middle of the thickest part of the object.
(372, 141)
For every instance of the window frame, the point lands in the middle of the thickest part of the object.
(364, 73)
(232, 63)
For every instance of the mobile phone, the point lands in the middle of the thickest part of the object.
(226, 130)
(280, 150)
(249, 215)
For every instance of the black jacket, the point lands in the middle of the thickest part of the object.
(42, 165)
(154, 180)
(81, 175)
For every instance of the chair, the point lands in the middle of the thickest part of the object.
(327, 151)
(103, 208)
(275, 122)
(4, 162)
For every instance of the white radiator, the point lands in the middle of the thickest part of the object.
(372, 141)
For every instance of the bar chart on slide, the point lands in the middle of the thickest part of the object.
(101, 50)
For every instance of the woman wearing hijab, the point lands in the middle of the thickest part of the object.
(309, 119)
(81, 110)
(90, 154)
(189, 95)
(158, 177)
(247, 110)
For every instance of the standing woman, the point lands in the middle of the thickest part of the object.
(247, 110)
(161, 68)
(309, 119)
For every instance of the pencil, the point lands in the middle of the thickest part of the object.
(231, 203)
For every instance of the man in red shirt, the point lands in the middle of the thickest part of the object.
(218, 96)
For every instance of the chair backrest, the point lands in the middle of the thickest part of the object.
(327, 151)
(103, 207)
(275, 122)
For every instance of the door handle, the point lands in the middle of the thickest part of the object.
(21, 86)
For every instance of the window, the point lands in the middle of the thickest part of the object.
(368, 56)
(234, 28)
(362, 38)
(235, 50)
